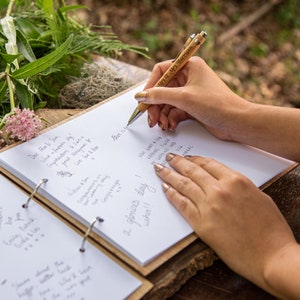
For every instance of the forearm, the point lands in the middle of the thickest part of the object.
(270, 128)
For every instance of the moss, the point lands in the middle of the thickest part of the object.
(97, 83)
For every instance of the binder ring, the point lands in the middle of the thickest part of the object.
(99, 219)
(44, 180)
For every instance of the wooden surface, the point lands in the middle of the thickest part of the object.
(195, 273)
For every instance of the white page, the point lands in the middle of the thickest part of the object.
(98, 166)
(40, 257)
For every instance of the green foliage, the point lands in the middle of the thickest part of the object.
(41, 45)
(259, 50)
(288, 14)
(3, 5)
(148, 34)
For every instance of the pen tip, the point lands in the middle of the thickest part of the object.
(136, 114)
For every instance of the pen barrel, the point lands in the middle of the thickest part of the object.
(181, 60)
(142, 107)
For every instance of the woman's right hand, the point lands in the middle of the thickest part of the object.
(195, 92)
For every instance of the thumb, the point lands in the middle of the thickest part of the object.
(159, 95)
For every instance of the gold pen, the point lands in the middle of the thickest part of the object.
(188, 50)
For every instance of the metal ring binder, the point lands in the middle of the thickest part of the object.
(44, 180)
(99, 219)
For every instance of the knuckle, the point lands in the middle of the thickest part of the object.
(190, 170)
(182, 204)
(183, 183)
(179, 201)
(221, 192)
(156, 66)
(239, 180)
(207, 161)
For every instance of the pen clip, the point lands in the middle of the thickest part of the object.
(190, 38)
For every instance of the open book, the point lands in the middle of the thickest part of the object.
(96, 166)
(40, 257)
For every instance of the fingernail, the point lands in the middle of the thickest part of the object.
(170, 156)
(150, 122)
(141, 96)
(158, 167)
(165, 187)
(161, 126)
(172, 128)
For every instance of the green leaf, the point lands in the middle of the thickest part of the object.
(48, 8)
(41, 64)
(24, 47)
(9, 58)
(24, 95)
(40, 105)
(28, 28)
(71, 7)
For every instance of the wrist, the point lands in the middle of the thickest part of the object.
(282, 270)
(238, 118)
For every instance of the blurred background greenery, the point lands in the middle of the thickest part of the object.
(260, 61)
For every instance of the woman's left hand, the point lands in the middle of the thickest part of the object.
(228, 212)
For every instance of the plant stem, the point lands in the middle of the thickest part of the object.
(10, 90)
(2, 123)
(10, 6)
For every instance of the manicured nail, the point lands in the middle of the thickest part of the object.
(158, 167)
(150, 122)
(160, 124)
(172, 128)
(170, 156)
(165, 187)
(141, 96)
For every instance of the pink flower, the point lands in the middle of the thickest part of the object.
(23, 124)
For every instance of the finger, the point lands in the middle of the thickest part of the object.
(175, 117)
(163, 120)
(191, 170)
(153, 114)
(157, 72)
(213, 167)
(184, 185)
(168, 118)
(184, 205)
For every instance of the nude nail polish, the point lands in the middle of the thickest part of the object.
(158, 167)
(141, 96)
(170, 156)
(165, 187)
(150, 122)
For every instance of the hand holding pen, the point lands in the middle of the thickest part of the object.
(190, 47)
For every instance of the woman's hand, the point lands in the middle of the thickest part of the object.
(229, 213)
(195, 92)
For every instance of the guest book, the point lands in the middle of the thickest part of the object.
(98, 174)
(41, 257)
